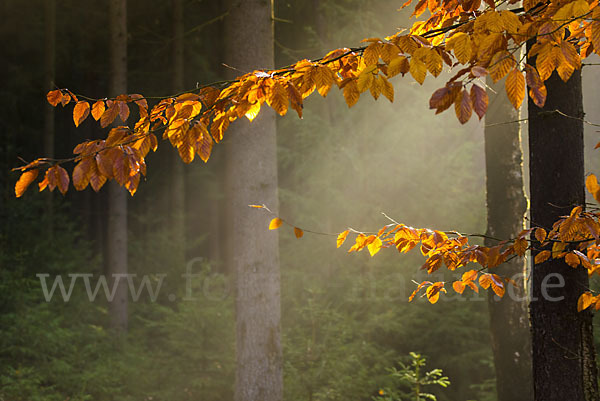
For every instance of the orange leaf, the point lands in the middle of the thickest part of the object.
(298, 232)
(342, 237)
(459, 286)
(572, 260)
(24, 181)
(257, 206)
(98, 109)
(275, 223)
(584, 301)
(542, 257)
(520, 246)
(515, 88)
(80, 112)
(485, 280)
(54, 97)
(109, 115)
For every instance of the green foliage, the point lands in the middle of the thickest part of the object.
(410, 380)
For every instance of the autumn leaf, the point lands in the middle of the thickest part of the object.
(540, 234)
(572, 260)
(298, 232)
(515, 88)
(275, 223)
(24, 181)
(98, 109)
(418, 70)
(109, 115)
(480, 100)
(584, 301)
(80, 112)
(463, 106)
(54, 97)
(459, 286)
(342, 237)
(374, 246)
(520, 246)
(542, 257)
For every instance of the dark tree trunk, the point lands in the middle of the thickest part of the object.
(251, 178)
(564, 366)
(49, 73)
(116, 246)
(177, 192)
(506, 206)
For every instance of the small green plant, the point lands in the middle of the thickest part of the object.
(409, 381)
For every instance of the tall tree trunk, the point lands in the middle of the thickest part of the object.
(251, 178)
(177, 171)
(506, 207)
(116, 246)
(49, 73)
(564, 366)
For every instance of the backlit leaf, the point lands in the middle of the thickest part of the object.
(24, 181)
(298, 232)
(375, 246)
(80, 112)
(275, 223)
(572, 260)
(98, 109)
(584, 301)
(342, 237)
(515, 88)
(54, 97)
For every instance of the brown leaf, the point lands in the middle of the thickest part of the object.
(463, 106)
(109, 114)
(480, 100)
(298, 232)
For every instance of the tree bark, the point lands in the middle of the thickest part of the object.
(49, 73)
(251, 178)
(564, 366)
(506, 207)
(116, 246)
(177, 171)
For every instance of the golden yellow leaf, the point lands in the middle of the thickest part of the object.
(257, 206)
(461, 44)
(515, 88)
(387, 89)
(24, 181)
(591, 183)
(469, 276)
(398, 65)
(298, 232)
(374, 246)
(275, 223)
(500, 65)
(253, 111)
(542, 257)
(365, 78)
(418, 70)
(584, 301)
(342, 237)
(351, 93)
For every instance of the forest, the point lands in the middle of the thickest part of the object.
(141, 273)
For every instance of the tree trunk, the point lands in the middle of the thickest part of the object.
(177, 171)
(49, 73)
(116, 246)
(251, 178)
(564, 366)
(506, 207)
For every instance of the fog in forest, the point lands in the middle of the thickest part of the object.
(346, 323)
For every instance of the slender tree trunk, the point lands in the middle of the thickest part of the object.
(177, 171)
(49, 73)
(251, 178)
(564, 366)
(506, 207)
(116, 246)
